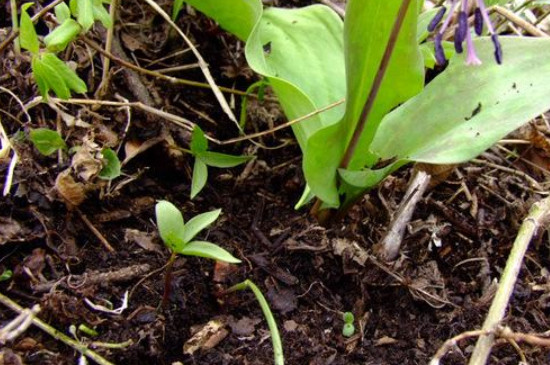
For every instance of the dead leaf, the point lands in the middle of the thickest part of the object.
(223, 271)
(9, 230)
(244, 326)
(145, 240)
(71, 191)
(283, 300)
(290, 325)
(342, 246)
(384, 341)
(84, 162)
(207, 337)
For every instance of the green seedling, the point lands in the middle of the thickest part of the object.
(205, 158)
(49, 71)
(348, 329)
(179, 238)
(376, 61)
(111, 168)
(6, 275)
(271, 323)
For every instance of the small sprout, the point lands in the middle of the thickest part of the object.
(87, 330)
(111, 169)
(46, 141)
(6, 275)
(348, 329)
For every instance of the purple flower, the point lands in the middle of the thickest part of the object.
(462, 32)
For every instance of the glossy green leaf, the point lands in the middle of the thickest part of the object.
(467, 109)
(200, 175)
(62, 35)
(236, 16)
(176, 8)
(208, 250)
(367, 30)
(223, 160)
(27, 33)
(85, 13)
(101, 14)
(198, 223)
(111, 170)
(46, 140)
(170, 225)
(70, 79)
(62, 12)
(199, 143)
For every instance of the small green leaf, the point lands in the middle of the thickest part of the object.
(200, 175)
(101, 14)
(47, 77)
(70, 78)
(62, 35)
(348, 330)
(348, 317)
(85, 14)
(46, 141)
(6, 275)
(178, 5)
(199, 143)
(198, 223)
(170, 225)
(39, 77)
(208, 250)
(216, 159)
(111, 170)
(62, 12)
(27, 33)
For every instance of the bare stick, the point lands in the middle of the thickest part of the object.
(392, 241)
(538, 216)
(528, 27)
(55, 333)
(96, 232)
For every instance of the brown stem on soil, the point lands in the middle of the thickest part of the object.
(168, 280)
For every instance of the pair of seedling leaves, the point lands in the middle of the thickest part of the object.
(312, 59)
(49, 71)
(179, 236)
(205, 158)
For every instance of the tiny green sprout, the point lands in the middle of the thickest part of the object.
(349, 329)
(179, 238)
(6, 275)
(87, 330)
(111, 169)
(46, 140)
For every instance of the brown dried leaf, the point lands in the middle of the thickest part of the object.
(72, 192)
(145, 240)
(9, 229)
(207, 337)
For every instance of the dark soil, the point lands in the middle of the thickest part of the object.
(441, 285)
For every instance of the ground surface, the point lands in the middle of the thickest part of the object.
(441, 285)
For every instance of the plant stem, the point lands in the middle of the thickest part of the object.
(390, 46)
(168, 280)
(15, 26)
(275, 336)
(538, 217)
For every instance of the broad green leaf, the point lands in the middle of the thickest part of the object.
(236, 16)
(85, 13)
(69, 77)
(367, 30)
(200, 175)
(467, 109)
(428, 53)
(101, 14)
(27, 33)
(300, 51)
(198, 223)
(216, 159)
(208, 250)
(62, 35)
(39, 77)
(62, 12)
(170, 225)
(176, 8)
(111, 170)
(422, 25)
(199, 143)
(46, 140)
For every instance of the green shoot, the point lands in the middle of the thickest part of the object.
(6, 275)
(179, 238)
(348, 329)
(271, 323)
(205, 158)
